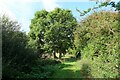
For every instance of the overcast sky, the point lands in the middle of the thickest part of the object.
(23, 10)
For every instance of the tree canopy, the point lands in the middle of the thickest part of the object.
(53, 30)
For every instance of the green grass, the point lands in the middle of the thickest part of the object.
(70, 68)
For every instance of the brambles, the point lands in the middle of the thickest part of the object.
(97, 39)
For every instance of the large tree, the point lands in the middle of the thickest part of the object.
(53, 30)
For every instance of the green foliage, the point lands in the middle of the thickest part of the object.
(16, 56)
(97, 39)
(37, 29)
(117, 6)
(19, 60)
(42, 69)
(72, 51)
(52, 31)
(59, 35)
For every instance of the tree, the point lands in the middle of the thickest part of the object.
(12, 39)
(53, 30)
(37, 30)
(16, 56)
(59, 36)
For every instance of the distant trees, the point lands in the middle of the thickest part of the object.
(53, 30)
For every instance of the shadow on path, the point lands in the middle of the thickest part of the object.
(71, 68)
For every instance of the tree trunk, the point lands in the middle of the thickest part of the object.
(64, 53)
(54, 54)
(60, 55)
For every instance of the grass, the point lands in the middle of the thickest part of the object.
(70, 68)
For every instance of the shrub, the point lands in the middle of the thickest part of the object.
(97, 38)
(16, 56)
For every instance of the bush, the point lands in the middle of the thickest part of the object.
(16, 56)
(97, 39)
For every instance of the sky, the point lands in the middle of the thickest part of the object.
(23, 10)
